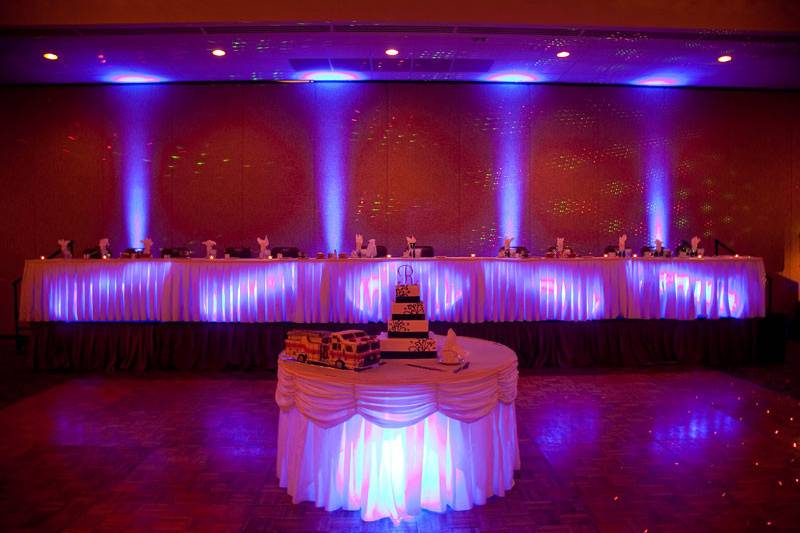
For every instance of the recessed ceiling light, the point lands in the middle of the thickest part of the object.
(392, 51)
(50, 55)
(219, 52)
(562, 54)
(724, 59)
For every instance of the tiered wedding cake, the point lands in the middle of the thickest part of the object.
(408, 336)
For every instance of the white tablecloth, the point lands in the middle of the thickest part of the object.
(361, 290)
(396, 439)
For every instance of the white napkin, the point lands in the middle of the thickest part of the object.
(659, 246)
(147, 242)
(372, 249)
(410, 252)
(622, 240)
(560, 244)
(210, 247)
(452, 352)
(64, 244)
(695, 243)
(263, 251)
(103, 245)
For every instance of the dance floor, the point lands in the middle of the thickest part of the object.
(659, 449)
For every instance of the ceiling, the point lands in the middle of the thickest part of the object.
(295, 52)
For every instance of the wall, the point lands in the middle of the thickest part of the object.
(459, 165)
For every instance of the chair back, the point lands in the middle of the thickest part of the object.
(94, 252)
(521, 250)
(611, 249)
(177, 252)
(424, 251)
(285, 251)
(241, 252)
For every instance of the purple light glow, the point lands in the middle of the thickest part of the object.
(330, 75)
(661, 80)
(133, 77)
(683, 287)
(513, 77)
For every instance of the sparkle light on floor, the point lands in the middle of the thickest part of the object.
(657, 450)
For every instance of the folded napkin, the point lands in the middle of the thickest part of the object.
(560, 244)
(452, 352)
(210, 248)
(411, 243)
(695, 243)
(103, 245)
(64, 245)
(147, 242)
(372, 249)
(659, 246)
(359, 250)
(263, 244)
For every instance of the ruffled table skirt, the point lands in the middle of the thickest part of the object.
(436, 463)
(358, 291)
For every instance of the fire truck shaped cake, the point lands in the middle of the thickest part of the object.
(352, 349)
(408, 336)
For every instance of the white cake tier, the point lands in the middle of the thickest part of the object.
(410, 326)
(410, 309)
(408, 345)
(406, 291)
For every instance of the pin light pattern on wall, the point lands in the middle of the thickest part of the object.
(586, 164)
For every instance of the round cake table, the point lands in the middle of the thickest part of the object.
(395, 439)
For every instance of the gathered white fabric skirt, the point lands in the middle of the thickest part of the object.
(394, 472)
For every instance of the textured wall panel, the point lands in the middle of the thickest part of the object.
(230, 162)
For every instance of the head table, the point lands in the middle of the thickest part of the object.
(361, 290)
(395, 439)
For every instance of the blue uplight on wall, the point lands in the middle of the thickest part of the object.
(657, 189)
(657, 161)
(511, 161)
(135, 104)
(331, 159)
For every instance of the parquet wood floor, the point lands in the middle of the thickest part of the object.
(684, 450)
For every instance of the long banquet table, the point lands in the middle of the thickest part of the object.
(360, 290)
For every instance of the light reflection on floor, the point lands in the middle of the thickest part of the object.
(676, 450)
